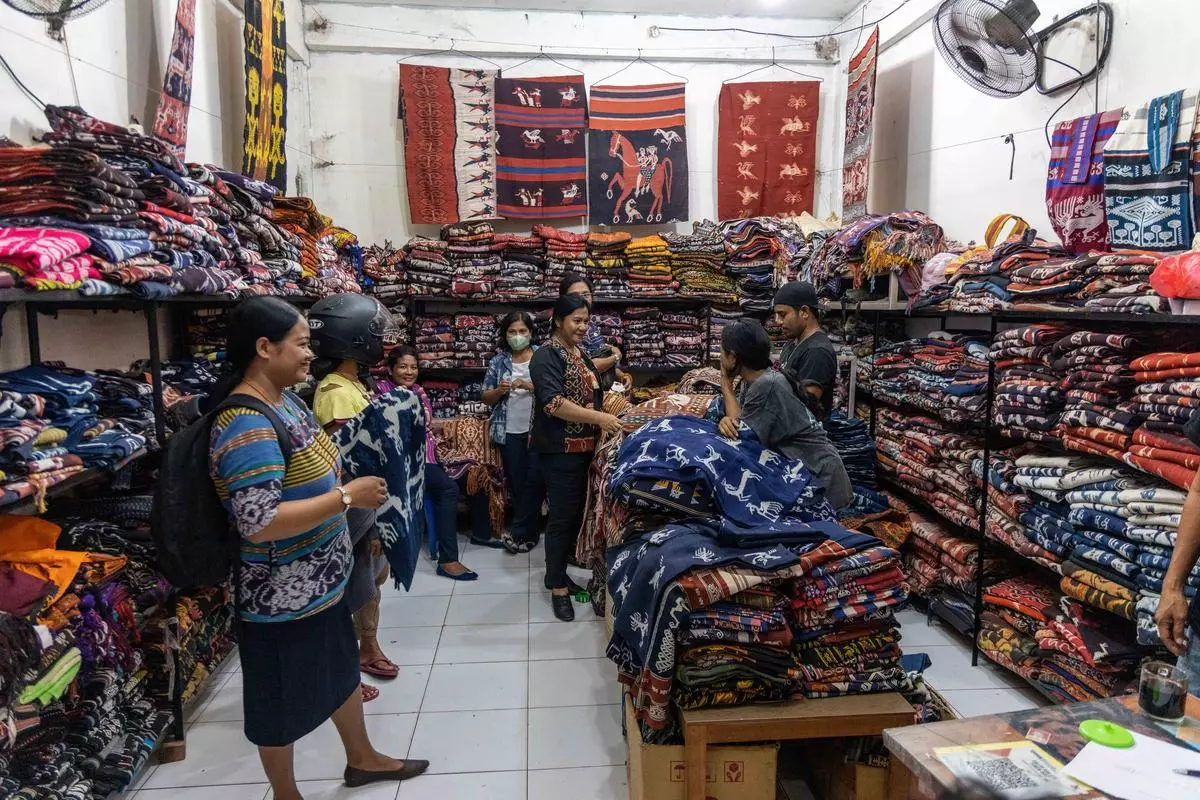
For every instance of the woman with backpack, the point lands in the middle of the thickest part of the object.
(299, 655)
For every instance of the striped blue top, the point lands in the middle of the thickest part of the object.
(289, 578)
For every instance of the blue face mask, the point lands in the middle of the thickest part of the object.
(518, 343)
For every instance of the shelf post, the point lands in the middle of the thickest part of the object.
(983, 501)
(156, 380)
(32, 334)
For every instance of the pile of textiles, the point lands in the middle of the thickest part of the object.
(1097, 381)
(650, 268)
(203, 620)
(643, 335)
(980, 277)
(443, 397)
(522, 275)
(383, 272)
(944, 374)
(606, 265)
(932, 461)
(752, 249)
(474, 340)
(611, 327)
(1053, 283)
(299, 216)
(427, 268)
(698, 261)
(683, 335)
(852, 440)
(1166, 396)
(874, 244)
(935, 559)
(339, 263)
(1068, 651)
(718, 317)
(1028, 398)
(435, 337)
(1120, 282)
(1010, 507)
(470, 401)
(475, 258)
(399, 329)
(465, 448)
(566, 253)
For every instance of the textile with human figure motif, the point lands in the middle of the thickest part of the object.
(264, 135)
(449, 143)
(767, 148)
(637, 155)
(860, 116)
(542, 164)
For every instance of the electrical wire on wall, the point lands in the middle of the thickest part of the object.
(20, 84)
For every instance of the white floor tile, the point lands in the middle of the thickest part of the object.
(488, 609)
(916, 634)
(580, 736)
(410, 646)
(586, 783)
(337, 790)
(244, 791)
(212, 687)
(226, 703)
(980, 702)
(472, 644)
(557, 640)
(574, 682)
(472, 741)
(540, 609)
(400, 695)
(424, 584)
(537, 576)
(412, 612)
(468, 786)
(481, 558)
(467, 687)
(951, 670)
(497, 579)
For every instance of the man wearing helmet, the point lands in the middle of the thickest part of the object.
(346, 331)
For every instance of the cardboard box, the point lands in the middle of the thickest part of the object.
(734, 772)
(834, 779)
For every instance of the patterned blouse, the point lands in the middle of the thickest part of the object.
(289, 578)
(560, 375)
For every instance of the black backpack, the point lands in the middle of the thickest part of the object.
(197, 544)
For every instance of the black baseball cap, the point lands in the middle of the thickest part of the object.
(797, 294)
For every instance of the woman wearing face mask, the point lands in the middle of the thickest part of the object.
(300, 662)
(508, 389)
(443, 491)
(566, 419)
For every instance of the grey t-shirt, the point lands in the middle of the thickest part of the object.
(782, 423)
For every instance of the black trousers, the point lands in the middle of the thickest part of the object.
(526, 486)
(566, 489)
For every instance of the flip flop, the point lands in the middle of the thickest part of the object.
(387, 671)
(369, 692)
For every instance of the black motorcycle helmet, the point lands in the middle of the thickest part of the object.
(348, 326)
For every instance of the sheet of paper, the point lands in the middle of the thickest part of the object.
(1013, 770)
(1142, 772)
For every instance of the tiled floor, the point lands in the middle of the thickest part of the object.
(506, 702)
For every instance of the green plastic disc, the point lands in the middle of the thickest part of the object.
(1109, 734)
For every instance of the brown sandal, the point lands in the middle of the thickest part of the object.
(380, 668)
(369, 692)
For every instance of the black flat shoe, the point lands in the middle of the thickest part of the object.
(360, 777)
(572, 587)
(495, 544)
(562, 607)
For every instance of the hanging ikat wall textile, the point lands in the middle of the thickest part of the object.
(637, 155)
(541, 168)
(171, 120)
(449, 143)
(1147, 176)
(264, 154)
(860, 115)
(1075, 180)
(767, 148)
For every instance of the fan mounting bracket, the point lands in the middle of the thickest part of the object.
(1104, 21)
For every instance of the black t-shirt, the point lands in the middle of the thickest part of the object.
(813, 360)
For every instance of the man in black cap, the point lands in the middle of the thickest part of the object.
(808, 359)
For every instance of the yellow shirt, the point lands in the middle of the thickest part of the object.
(339, 398)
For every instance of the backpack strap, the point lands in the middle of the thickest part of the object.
(254, 404)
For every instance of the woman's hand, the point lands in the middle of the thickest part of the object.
(521, 384)
(505, 387)
(368, 492)
(728, 427)
(608, 423)
(1171, 618)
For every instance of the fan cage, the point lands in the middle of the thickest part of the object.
(964, 32)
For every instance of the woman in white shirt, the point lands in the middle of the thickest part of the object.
(508, 389)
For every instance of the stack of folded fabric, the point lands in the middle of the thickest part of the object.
(1098, 379)
(936, 560)
(383, 271)
(752, 248)
(443, 397)
(566, 254)
(475, 257)
(522, 276)
(683, 335)
(1028, 398)
(470, 401)
(1008, 506)
(1120, 282)
(643, 334)
(852, 440)
(933, 461)
(943, 374)
(474, 340)
(718, 317)
(650, 268)
(1167, 395)
(1052, 283)
(427, 267)
(606, 265)
(611, 328)
(339, 262)
(435, 341)
(981, 278)
(698, 263)
(300, 216)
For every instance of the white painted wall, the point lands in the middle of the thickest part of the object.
(939, 144)
(354, 85)
(116, 59)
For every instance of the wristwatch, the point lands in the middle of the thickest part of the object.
(346, 501)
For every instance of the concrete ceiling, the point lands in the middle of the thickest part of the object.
(796, 9)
